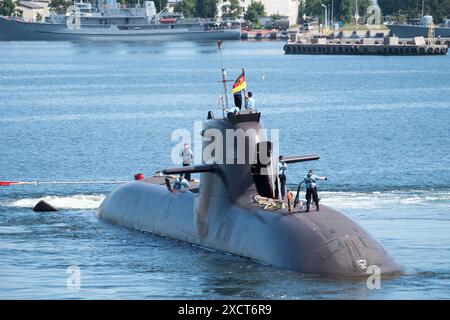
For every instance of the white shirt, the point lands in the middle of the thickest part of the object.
(282, 168)
(251, 103)
(187, 155)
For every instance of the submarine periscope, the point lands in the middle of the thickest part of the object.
(224, 211)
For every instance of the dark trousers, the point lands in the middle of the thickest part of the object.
(187, 175)
(312, 192)
(238, 100)
(283, 185)
(282, 188)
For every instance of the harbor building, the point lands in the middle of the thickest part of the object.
(33, 11)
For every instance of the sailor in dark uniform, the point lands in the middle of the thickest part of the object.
(282, 170)
(310, 182)
(187, 155)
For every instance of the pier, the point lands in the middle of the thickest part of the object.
(389, 46)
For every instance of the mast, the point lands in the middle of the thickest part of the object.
(245, 90)
(224, 79)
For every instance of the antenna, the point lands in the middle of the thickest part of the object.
(224, 78)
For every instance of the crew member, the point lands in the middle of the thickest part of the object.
(250, 102)
(181, 183)
(187, 155)
(238, 100)
(310, 182)
(282, 170)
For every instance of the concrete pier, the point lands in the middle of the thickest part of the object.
(392, 46)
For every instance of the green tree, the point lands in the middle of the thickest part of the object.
(254, 11)
(59, 6)
(342, 10)
(187, 7)
(7, 8)
(439, 9)
(206, 8)
(347, 9)
(251, 15)
(259, 7)
(311, 8)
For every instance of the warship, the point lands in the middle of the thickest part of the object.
(111, 21)
(409, 31)
(235, 207)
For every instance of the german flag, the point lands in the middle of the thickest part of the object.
(240, 83)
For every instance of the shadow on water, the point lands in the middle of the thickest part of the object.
(145, 47)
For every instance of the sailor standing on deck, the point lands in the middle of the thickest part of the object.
(282, 170)
(250, 102)
(187, 156)
(310, 182)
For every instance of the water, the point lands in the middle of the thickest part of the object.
(71, 111)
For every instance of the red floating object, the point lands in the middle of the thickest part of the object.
(7, 183)
(139, 176)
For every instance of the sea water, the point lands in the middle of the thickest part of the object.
(105, 111)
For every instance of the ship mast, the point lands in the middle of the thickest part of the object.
(224, 79)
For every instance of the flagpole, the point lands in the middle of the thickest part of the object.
(224, 78)
(245, 90)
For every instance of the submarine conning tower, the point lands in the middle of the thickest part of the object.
(240, 165)
(236, 141)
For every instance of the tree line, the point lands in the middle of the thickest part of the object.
(197, 8)
(208, 9)
(342, 9)
(439, 9)
(345, 9)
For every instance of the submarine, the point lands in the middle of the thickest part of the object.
(229, 209)
(236, 206)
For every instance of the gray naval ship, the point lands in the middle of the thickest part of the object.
(236, 207)
(421, 29)
(85, 21)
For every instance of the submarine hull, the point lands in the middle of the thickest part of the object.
(325, 242)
